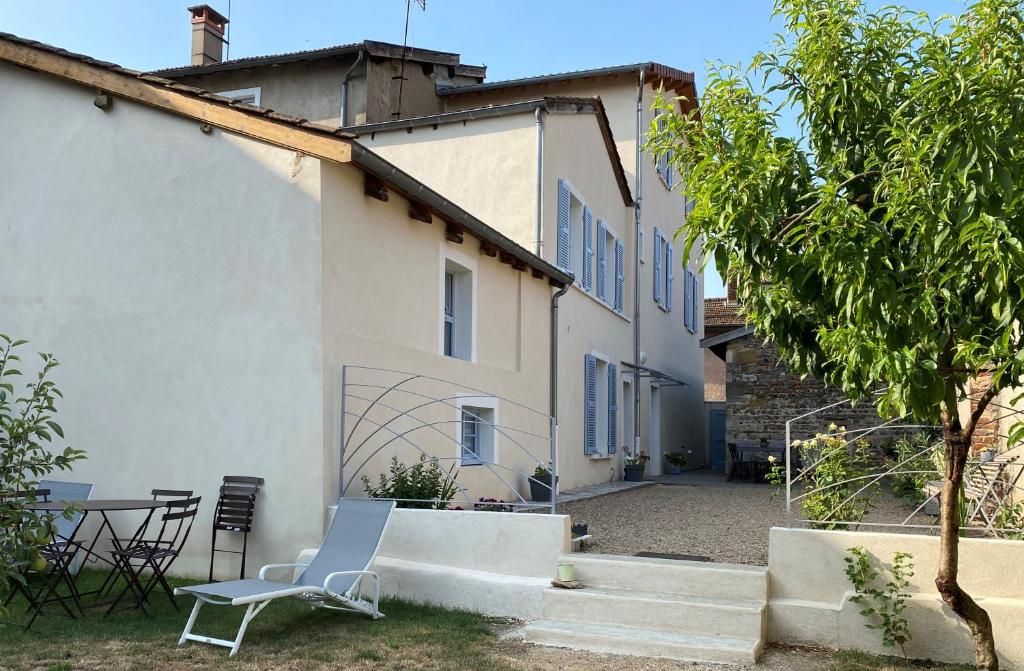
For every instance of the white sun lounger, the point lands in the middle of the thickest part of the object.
(334, 579)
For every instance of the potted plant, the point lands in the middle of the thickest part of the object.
(633, 471)
(676, 462)
(541, 486)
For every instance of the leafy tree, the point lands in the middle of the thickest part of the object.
(26, 427)
(880, 248)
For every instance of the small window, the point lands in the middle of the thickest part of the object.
(476, 435)
(457, 311)
(250, 96)
(663, 163)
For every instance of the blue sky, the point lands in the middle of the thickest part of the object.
(512, 38)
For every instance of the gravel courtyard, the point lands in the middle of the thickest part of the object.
(724, 521)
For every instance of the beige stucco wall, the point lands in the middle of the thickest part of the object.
(309, 90)
(176, 276)
(810, 593)
(488, 167)
(669, 346)
(382, 308)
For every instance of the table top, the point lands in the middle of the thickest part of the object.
(103, 505)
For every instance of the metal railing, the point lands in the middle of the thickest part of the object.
(992, 496)
(418, 419)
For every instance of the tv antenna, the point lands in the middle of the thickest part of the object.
(422, 4)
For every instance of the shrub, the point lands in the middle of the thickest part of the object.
(911, 453)
(423, 485)
(27, 427)
(835, 467)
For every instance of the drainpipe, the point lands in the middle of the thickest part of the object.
(637, 199)
(553, 390)
(344, 87)
(539, 246)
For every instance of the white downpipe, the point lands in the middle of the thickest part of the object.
(637, 198)
(539, 247)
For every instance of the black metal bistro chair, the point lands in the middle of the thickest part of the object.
(234, 513)
(738, 468)
(59, 555)
(156, 555)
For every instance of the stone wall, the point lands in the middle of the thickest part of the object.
(761, 394)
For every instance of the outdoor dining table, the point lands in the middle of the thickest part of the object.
(104, 507)
(759, 456)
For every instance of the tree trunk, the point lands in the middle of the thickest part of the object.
(957, 448)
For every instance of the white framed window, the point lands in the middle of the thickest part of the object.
(600, 405)
(476, 430)
(663, 163)
(664, 270)
(457, 319)
(249, 95)
(575, 236)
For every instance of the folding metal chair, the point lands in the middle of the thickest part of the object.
(156, 555)
(234, 512)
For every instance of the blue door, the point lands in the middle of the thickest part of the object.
(716, 438)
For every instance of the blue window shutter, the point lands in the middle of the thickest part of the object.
(657, 266)
(688, 301)
(588, 249)
(589, 404)
(602, 260)
(694, 302)
(669, 274)
(613, 408)
(563, 225)
(620, 274)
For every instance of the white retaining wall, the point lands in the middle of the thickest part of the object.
(810, 594)
(491, 563)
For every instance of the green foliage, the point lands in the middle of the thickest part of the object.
(425, 482)
(881, 247)
(883, 604)
(542, 471)
(27, 427)
(914, 463)
(677, 459)
(1010, 516)
(834, 467)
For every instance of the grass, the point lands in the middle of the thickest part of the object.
(288, 634)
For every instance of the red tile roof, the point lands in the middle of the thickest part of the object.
(719, 312)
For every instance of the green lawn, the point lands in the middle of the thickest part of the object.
(288, 634)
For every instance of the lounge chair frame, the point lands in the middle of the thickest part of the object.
(319, 597)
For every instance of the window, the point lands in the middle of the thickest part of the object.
(250, 96)
(600, 407)
(691, 304)
(449, 314)
(575, 236)
(476, 430)
(663, 270)
(458, 307)
(663, 163)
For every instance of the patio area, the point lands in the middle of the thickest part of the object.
(698, 514)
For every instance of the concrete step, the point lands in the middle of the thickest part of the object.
(621, 640)
(671, 576)
(676, 613)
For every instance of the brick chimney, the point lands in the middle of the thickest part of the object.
(730, 292)
(207, 35)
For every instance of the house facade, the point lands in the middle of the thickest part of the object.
(206, 270)
(521, 154)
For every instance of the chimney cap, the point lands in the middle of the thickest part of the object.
(209, 15)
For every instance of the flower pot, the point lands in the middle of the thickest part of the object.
(675, 470)
(633, 472)
(540, 488)
(579, 529)
(566, 572)
(986, 456)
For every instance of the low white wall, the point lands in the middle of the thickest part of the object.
(492, 563)
(810, 594)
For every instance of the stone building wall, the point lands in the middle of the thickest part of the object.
(761, 394)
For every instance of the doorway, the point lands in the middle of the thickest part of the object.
(716, 438)
(628, 421)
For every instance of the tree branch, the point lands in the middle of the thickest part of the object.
(792, 220)
(978, 411)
